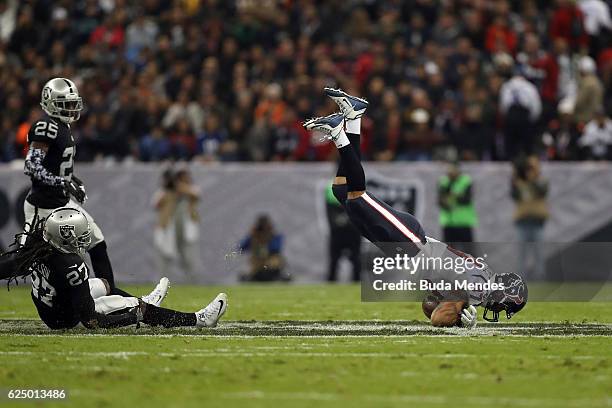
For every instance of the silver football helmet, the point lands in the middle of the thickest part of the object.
(60, 99)
(68, 231)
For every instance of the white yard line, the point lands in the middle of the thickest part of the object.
(410, 398)
(221, 353)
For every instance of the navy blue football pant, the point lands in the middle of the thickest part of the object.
(376, 220)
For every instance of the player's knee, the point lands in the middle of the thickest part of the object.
(340, 191)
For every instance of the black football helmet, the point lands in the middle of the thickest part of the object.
(511, 299)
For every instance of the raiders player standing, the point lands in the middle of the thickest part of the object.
(381, 224)
(50, 165)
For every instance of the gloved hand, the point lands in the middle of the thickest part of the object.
(469, 317)
(76, 189)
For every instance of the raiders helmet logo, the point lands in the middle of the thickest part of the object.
(46, 93)
(66, 231)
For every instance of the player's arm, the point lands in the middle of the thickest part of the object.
(84, 306)
(447, 314)
(34, 168)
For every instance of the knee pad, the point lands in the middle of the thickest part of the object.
(340, 191)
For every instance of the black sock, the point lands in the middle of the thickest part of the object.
(355, 140)
(101, 264)
(355, 175)
(158, 316)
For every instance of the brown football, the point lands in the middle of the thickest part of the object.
(429, 304)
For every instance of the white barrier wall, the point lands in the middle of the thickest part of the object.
(120, 200)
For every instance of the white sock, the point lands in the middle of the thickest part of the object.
(342, 140)
(353, 126)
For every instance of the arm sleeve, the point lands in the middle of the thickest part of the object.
(34, 168)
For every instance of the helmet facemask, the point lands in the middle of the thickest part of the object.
(68, 231)
(510, 299)
(60, 99)
(69, 108)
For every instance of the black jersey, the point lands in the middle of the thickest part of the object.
(60, 290)
(58, 161)
(61, 294)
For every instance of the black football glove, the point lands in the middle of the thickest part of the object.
(76, 190)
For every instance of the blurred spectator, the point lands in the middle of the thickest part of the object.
(259, 67)
(265, 245)
(561, 135)
(344, 239)
(529, 191)
(597, 23)
(520, 106)
(567, 23)
(597, 137)
(177, 232)
(589, 98)
(8, 16)
(457, 212)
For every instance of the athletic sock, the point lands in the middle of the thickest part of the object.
(159, 316)
(355, 175)
(355, 140)
(353, 126)
(342, 140)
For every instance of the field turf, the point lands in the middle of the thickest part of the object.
(301, 346)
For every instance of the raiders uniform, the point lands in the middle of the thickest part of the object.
(61, 294)
(47, 189)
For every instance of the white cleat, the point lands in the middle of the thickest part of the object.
(157, 296)
(352, 107)
(210, 315)
(329, 126)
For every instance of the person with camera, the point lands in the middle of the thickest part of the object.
(529, 191)
(265, 246)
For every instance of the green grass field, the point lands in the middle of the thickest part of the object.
(300, 346)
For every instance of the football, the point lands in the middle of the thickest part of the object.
(429, 304)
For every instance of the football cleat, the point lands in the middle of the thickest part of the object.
(351, 106)
(157, 296)
(330, 126)
(210, 315)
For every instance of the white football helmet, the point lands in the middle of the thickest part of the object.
(68, 231)
(60, 99)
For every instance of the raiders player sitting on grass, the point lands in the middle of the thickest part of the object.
(65, 296)
(50, 166)
(382, 225)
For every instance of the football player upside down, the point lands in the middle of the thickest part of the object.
(382, 224)
(65, 295)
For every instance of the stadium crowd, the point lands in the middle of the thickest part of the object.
(220, 80)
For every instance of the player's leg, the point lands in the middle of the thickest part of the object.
(206, 317)
(377, 221)
(98, 253)
(353, 108)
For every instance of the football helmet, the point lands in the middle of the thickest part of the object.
(68, 231)
(511, 299)
(60, 99)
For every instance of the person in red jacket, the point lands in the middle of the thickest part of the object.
(567, 23)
